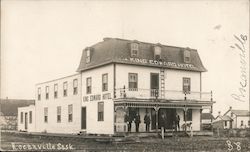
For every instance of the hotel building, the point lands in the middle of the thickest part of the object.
(115, 77)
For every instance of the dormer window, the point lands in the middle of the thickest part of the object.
(87, 55)
(186, 56)
(134, 49)
(157, 52)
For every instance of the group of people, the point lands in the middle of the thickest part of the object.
(137, 120)
(162, 121)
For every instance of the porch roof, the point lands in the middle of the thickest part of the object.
(161, 103)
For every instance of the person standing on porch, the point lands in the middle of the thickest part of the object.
(177, 122)
(137, 122)
(147, 121)
(162, 124)
(128, 120)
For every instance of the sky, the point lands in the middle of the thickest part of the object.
(43, 40)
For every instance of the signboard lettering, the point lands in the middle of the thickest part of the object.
(96, 97)
(159, 63)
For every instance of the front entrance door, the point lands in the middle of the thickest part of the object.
(154, 83)
(26, 121)
(84, 122)
(168, 112)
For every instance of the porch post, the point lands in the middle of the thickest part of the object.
(156, 119)
(200, 119)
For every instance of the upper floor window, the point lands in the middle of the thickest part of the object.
(105, 82)
(65, 89)
(88, 55)
(188, 115)
(186, 85)
(134, 49)
(30, 116)
(39, 94)
(157, 52)
(100, 111)
(55, 90)
(225, 123)
(89, 85)
(75, 86)
(70, 113)
(46, 114)
(133, 81)
(47, 92)
(186, 56)
(21, 118)
(59, 111)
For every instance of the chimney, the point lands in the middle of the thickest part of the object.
(230, 108)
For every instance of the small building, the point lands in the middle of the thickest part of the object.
(26, 119)
(234, 118)
(223, 122)
(9, 112)
(118, 77)
(241, 118)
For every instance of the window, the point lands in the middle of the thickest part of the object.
(241, 123)
(39, 94)
(248, 122)
(186, 85)
(30, 117)
(88, 89)
(21, 117)
(157, 52)
(188, 115)
(59, 114)
(65, 87)
(134, 49)
(133, 81)
(88, 55)
(100, 111)
(105, 82)
(55, 90)
(46, 114)
(70, 112)
(75, 86)
(187, 56)
(47, 92)
(225, 123)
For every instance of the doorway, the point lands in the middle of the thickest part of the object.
(26, 121)
(168, 112)
(84, 122)
(154, 84)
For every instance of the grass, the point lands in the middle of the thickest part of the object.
(150, 144)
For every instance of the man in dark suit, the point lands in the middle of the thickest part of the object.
(137, 121)
(147, 121)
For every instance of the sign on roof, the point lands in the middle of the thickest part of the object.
(159, 63)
